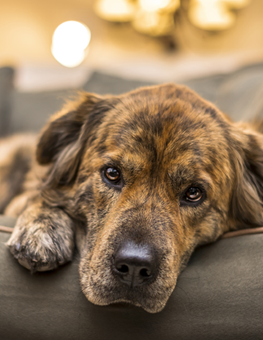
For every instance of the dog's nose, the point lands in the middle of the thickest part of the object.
(135, 264)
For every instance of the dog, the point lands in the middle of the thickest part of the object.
(137, 181)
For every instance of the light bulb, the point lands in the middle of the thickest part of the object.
(153, 5)
(159, 5)
(115, 10)
(153, 23)
(69, 43)
(210, 15)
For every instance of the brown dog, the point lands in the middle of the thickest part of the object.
(139, 180)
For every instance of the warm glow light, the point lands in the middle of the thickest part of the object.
(210, 14)
(115, 10)
(68, 58)
(153, 23)
(69, 43)
(153, 5)
(236, 4)
(155, 17)
(159, 5)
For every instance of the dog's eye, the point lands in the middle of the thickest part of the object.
(112, 177)
(193, 194)
(112, 174)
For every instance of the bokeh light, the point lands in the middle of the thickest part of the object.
(115, 10)
(159, 5)
(153, 5)
(69, 43)
(153, 23)
(210, 15)
(236, 4)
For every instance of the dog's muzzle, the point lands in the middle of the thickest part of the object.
(135, 264)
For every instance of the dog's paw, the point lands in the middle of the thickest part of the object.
(42, 242)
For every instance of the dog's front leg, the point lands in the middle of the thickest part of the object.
(43, 238)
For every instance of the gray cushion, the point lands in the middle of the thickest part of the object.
(239, 94)
(107, 84)
(218, 296)
(6, 87)
(30, 111)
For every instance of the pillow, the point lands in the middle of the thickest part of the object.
(218, 296)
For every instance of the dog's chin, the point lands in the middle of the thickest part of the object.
(147, 306)
(148, 303)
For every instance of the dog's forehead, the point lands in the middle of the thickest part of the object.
(159, 131)
(157, 122)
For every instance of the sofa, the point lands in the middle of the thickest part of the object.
(218, 296)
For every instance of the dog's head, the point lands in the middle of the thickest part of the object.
(152, 174)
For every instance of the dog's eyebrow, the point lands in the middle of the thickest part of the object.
(126, 162)
(109, 160)
(182, 176)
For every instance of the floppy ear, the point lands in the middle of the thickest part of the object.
(63, 139)
(247, 201)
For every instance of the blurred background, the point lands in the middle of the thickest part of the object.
(50, 48)
(182, 43)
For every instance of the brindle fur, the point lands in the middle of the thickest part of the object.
(163, 139)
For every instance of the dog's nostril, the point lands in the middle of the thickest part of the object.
(145, 272)
(123, 268)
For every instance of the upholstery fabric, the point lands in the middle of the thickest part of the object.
(30, 110)
(218, 296)
(6, 87)
(239, 94)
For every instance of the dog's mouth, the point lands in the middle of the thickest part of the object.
(150, 305)
(152, 298)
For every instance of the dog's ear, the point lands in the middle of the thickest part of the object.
(63, 139)
(247, 200)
